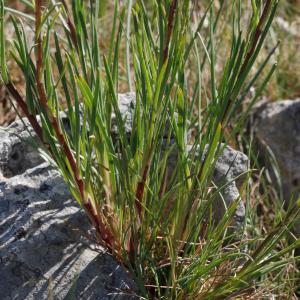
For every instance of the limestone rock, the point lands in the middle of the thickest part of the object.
(18, 148)
(228, 176)
(230, 171)
(276, 127)
(126, 107)
(46, 244)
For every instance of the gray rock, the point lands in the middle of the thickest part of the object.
(126, 107)
(276, 127)
(228, 176)
(18, 148)
(47, 249)
(231, 165)
(230, 171)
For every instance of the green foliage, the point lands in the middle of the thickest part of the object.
(156, 220)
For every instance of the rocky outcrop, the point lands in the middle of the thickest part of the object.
(276, 127)
(46, 243)
(47, 249)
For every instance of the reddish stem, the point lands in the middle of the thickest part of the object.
(141, 184)
(257, 34)
(31, 118)
(93, 215)
(170, 25)
(71, 25)
(44, 103)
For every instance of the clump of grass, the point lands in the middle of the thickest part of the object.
(155, 220)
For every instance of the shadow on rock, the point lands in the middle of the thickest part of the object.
(47, 247)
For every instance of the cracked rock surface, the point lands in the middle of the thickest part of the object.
(46, 244)
(47, 249)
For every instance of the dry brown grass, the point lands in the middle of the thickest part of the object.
(284, 84)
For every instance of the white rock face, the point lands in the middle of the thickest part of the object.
(46, 243)
(47, 246)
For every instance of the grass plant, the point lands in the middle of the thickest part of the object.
(154, 219)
